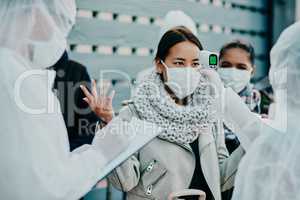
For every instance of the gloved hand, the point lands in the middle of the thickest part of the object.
(213, 77)
(233, 111)
(217, 89)
(240, 119)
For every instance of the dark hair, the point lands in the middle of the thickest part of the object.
(173, 37)
(241, 45)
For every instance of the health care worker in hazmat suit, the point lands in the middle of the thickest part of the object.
(35, 159)
(271, 168)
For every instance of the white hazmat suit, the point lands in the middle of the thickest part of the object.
(271, 168)
(35, 159)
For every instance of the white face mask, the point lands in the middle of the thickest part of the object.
(182, 81)
(47, 53)
(237, 79)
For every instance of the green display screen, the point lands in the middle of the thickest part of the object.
(213, 59)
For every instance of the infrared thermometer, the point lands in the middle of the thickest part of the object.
(209, 59)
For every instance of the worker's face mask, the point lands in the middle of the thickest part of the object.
(182, 80)
(237, 79)
(47, 43)
(45, 54)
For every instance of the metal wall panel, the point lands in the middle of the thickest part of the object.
(97, 32)
(200, 12)
(260, 4)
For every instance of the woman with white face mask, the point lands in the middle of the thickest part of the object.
(236, 67)
(190, 150)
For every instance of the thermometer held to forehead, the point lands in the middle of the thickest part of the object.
(209, 59)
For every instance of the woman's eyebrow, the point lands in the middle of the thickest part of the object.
(182, 59)
(225, 62)
(196, 59)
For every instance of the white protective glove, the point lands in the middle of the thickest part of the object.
(236, 115)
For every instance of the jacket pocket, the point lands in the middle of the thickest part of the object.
(151, 175)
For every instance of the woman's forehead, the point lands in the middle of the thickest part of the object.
(236, 55)
(186, 50)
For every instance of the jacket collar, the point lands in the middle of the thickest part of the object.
(210, 164)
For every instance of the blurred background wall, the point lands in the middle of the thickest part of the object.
(297, 9)
(285, 12)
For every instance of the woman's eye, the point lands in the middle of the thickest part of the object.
(196, 64)
(242, 67)
(178, 63)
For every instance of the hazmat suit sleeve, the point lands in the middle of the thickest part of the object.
(234, 112)
(243, 122)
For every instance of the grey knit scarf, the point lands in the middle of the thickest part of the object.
(180, 124)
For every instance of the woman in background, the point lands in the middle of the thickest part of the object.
(237, 66)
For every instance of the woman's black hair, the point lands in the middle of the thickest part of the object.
(241, 45)
(173, 37)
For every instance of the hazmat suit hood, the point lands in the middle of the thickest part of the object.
(36, 30)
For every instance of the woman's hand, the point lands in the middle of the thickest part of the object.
(101, 104)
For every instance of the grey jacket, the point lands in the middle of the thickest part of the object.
(162, 167)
